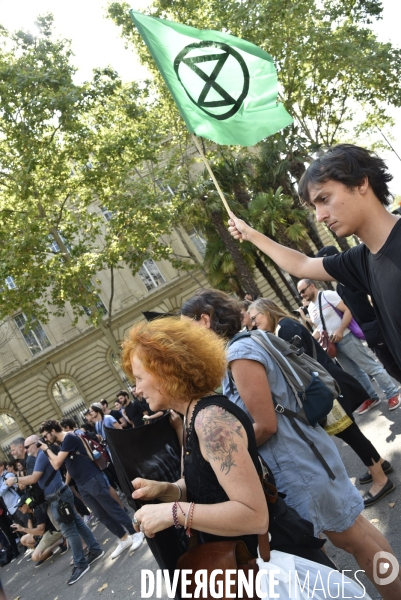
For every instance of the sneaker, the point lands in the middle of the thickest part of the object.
(121, 546)
(394, 402)
(367, 405)
(87, 518)
(137, 540)
(77, 573)
(94, 555)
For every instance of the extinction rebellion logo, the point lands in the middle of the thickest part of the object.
(206, 71)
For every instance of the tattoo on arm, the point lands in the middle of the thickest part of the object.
(217, 429)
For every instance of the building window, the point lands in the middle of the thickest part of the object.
(99, 304)
(198, 241)
(34, 335)
(150, 275)
(10, 283)
(164, 187)
(108, 214)
(53, 245)
(65, 391)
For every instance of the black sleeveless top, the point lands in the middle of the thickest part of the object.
(201, 482)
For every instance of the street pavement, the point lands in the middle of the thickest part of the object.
(122, 576)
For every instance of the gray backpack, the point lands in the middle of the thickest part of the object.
(314, 388)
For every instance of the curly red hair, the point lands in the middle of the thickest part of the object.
(188, 360)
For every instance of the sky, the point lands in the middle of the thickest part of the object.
(96, 42)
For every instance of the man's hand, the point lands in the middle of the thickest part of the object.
(43, 447)
(17, 527)
(10, 481)
(238, 228)
(337, 335)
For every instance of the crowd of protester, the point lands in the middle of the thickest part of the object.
(239, 413)
(67, 466)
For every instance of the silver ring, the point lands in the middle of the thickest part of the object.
(135, 520)
(141, 528)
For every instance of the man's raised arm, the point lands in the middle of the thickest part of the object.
(293, 262)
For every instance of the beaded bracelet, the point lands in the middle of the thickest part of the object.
(175, 515)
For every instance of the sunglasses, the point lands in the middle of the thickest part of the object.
(301, 292)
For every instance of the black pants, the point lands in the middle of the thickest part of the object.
(360, 444)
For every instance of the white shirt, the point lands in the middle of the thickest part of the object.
(331, 318)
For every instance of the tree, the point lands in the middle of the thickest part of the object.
(337, 80)
(67, 153)
(329, 61)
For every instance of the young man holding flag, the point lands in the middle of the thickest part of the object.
(348, 187)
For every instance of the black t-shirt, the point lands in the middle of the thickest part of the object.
(378, 275)
(134, 411)
(116, 414)
(40, 517)
(79, 465)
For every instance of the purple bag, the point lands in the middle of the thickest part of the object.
(353, 325)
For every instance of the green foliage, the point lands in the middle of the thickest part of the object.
(331, 66)
(66, 151)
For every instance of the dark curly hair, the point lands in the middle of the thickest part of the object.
(224, 312)
(49, 425)
(349, 165)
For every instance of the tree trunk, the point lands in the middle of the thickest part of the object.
(286, 283)
(313, 231)
(261, 265)
(244, 275)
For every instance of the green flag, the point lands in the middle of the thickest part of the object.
(225, 88)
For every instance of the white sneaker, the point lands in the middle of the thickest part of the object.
(121, 546)
(138, 539)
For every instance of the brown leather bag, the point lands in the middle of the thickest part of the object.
(230, 554)
(327, 345)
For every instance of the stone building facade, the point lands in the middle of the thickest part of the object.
(59, 368)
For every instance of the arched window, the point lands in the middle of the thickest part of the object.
(9, 431)
(66, 392)
(7, 426)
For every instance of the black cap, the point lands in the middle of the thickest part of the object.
(25, 499)
(327, 251)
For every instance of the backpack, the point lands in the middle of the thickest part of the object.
(95, 451)
(314, 388)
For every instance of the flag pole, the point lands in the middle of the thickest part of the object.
(207, 165)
